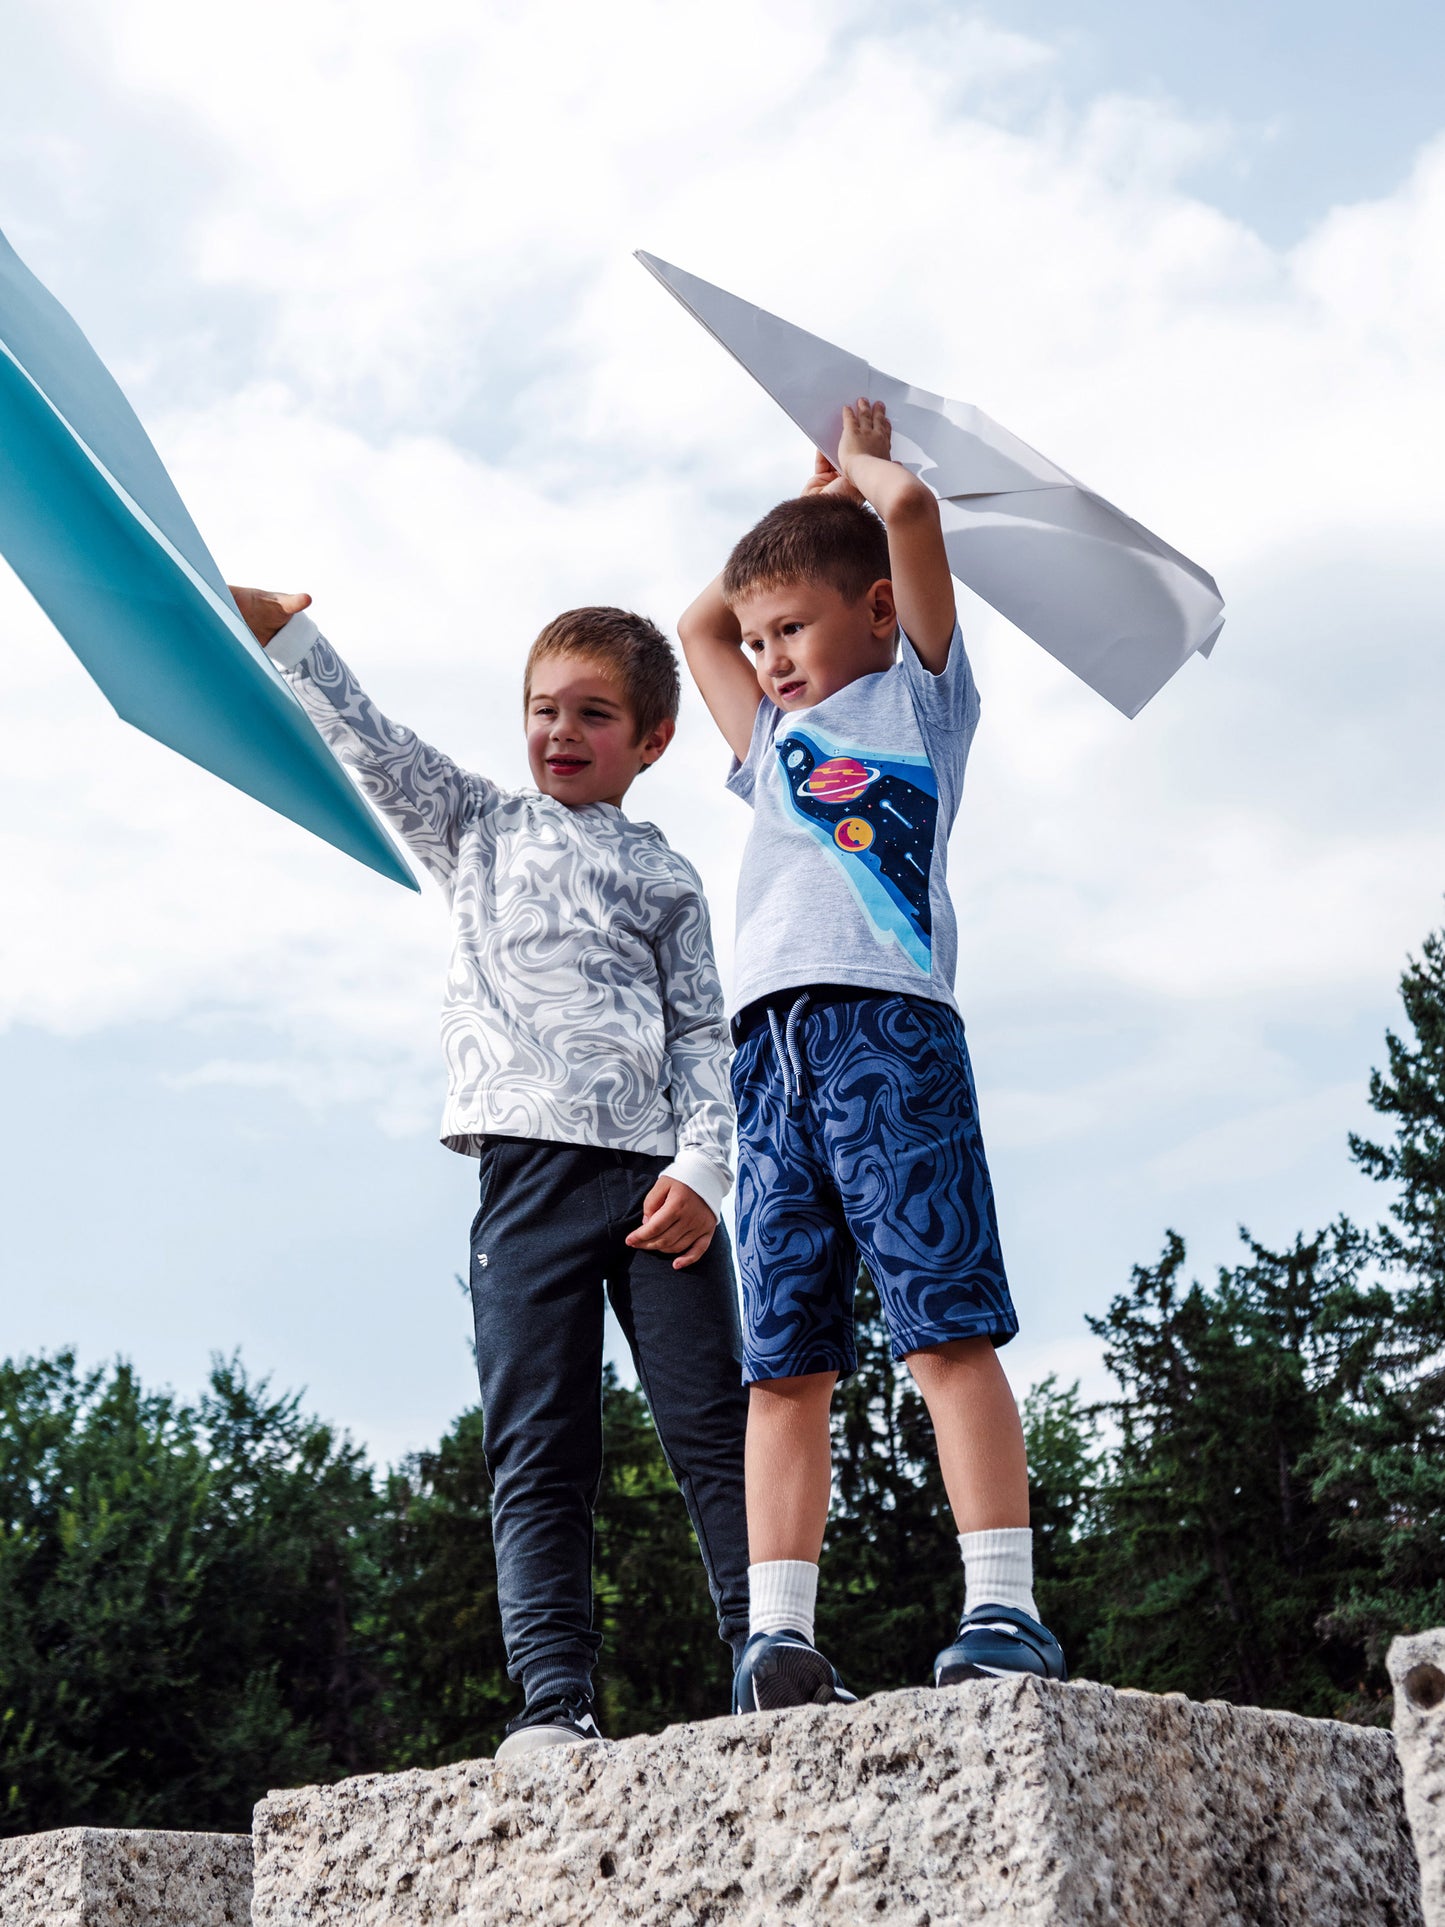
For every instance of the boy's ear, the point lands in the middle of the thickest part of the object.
(657, 740)
(882, 609)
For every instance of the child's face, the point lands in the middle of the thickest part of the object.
(808, 641)
(581, 734)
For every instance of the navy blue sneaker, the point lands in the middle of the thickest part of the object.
(560, 1722)
(784, 1669)
(994, 1641)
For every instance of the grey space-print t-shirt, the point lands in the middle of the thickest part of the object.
(845, 872)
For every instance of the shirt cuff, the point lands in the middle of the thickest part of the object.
(293, 642)
(710, 1181)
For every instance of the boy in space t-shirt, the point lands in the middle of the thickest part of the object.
(829, 655)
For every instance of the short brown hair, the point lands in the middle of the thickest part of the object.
(635, 650)
(811, 538)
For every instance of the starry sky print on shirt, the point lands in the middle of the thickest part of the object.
(876, 815)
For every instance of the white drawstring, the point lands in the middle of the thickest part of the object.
(785, 1043)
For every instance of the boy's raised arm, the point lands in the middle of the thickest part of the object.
(712, 643)
(418, 788)
(922, 579)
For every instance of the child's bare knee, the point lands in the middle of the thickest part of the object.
(965, 1354)
(811, 1388)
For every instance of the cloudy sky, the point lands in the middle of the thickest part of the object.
(365, 272)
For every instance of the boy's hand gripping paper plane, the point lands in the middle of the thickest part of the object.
(1111, 601)
(92, 525)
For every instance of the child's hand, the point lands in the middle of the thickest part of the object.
(674, 1219)
(825, 480)
(866, 431)
(266, 613)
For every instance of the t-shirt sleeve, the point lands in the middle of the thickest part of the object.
(948, 701)
(743, 776)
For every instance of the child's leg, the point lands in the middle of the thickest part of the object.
(980, 1439)
(797, 1264)
(538, 1257)
(789, 1484)
(682, 1330)
(914, 1183)
(789, 1467)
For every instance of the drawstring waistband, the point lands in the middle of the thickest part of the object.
(785, 1043)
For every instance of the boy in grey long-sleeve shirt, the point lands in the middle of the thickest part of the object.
(587, 1061)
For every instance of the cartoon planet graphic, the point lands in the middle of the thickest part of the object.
(840, 779)
(853, 834)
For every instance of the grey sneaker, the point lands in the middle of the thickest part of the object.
(559, 1722)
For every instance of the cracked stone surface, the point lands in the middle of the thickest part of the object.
(1417, 1668)
(93, 1877)
(1015, 1801)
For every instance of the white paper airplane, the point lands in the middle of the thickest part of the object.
(1089, 584)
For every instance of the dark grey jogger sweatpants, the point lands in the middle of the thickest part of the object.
(547, 1242)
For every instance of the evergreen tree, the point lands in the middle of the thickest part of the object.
(450, 1697)
(1215, 1552)
(1061, 1437)
(662, 1660)
(1382, 1464)
(176, 1592)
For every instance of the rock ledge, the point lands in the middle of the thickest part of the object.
(1015, 1801)
(96, 1877)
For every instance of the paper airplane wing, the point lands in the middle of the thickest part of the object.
(1097, 590)
(92, 525)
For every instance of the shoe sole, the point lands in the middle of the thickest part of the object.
(794, 1676)
(540, 1739)
(957, 1674)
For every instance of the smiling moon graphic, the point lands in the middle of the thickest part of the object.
(853, 835)
(840, 779)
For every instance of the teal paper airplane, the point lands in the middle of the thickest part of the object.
(92, 525)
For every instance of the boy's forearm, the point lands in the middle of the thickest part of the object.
(712, 644)
(893, 490)
(918, 561)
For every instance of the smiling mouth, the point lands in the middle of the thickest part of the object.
(565, 765)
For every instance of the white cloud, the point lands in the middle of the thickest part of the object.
(443, 398)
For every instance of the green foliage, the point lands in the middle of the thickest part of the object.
(1382, 1471)
(450, 1698)
(661, 1659)
(1412, 1091)
(1061, 1436)
(173, 1633)
(1210, 1554)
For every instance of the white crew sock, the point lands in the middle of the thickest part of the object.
(998, 1569)
(782, 1597)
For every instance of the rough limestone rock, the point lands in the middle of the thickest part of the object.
(1014, 1801)
(91, 1877)
(1417, 1667)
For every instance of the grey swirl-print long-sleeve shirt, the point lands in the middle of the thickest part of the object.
(582, 1002)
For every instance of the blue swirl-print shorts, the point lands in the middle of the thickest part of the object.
(858, 1139)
